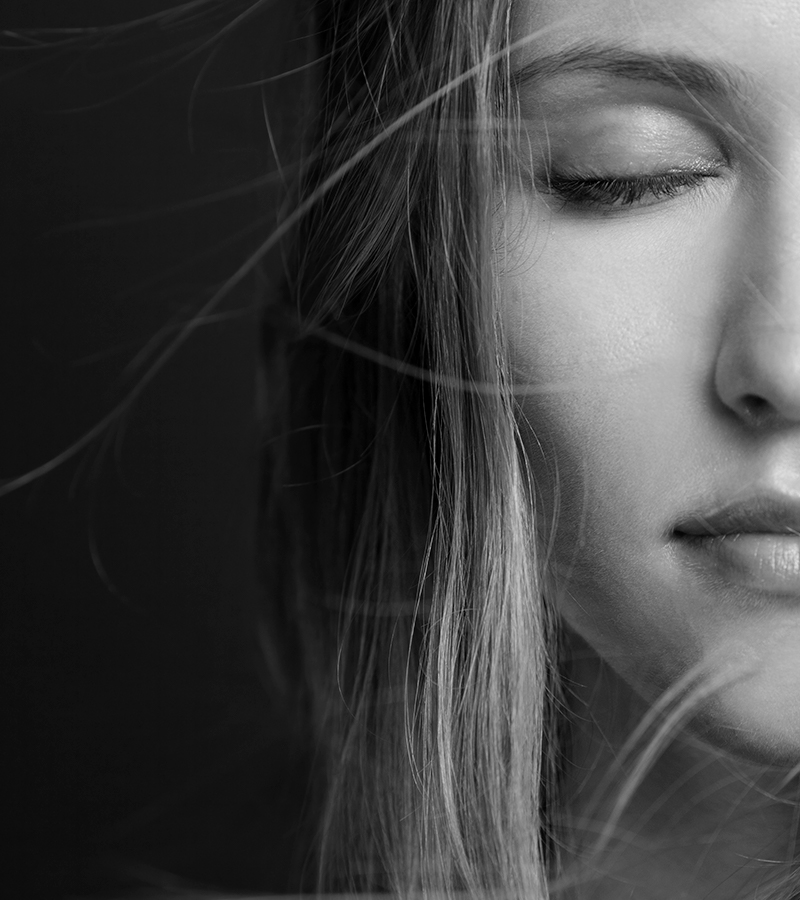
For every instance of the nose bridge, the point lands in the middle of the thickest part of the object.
(784, 230)
(758, 368)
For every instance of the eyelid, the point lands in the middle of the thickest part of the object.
(628, 139)
(697, 166)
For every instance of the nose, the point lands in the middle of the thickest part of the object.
(757, 372)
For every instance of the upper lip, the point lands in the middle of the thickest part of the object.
(756, 514)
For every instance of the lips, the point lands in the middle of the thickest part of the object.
(753, 543)
(756, 515)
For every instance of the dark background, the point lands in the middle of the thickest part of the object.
(143, 743)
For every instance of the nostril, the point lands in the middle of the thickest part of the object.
(756, 408)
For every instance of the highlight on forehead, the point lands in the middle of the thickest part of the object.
(710, 79)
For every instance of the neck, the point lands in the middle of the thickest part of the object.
(669, 818)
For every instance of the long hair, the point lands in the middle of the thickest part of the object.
(399, 511)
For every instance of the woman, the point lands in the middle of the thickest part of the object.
(534, 490)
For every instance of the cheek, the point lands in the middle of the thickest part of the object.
(613, 326)
(600, 308)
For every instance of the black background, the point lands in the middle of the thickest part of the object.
(141, 742)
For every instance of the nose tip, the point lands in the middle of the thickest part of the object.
(758, 372)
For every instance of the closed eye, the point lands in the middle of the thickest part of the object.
(617, 192)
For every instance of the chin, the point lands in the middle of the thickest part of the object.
(756, 716)
(759, 727)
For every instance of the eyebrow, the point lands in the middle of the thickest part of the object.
(675, 71)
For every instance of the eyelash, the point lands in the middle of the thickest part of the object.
(592, 192)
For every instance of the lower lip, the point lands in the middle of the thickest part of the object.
(765, 561)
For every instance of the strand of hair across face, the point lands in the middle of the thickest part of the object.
(9, 485)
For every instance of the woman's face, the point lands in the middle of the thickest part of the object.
(650, 258)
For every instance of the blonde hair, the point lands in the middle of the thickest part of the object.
(399, 510)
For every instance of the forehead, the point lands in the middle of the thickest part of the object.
(759, 37)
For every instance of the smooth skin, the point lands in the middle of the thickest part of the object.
(650, 265)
